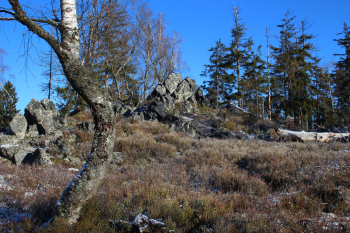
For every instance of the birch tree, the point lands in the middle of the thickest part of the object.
(67, 48)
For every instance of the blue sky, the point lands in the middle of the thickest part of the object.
(200, 23)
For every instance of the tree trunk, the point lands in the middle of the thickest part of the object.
(84, 185)
(50, 81)
(303, 136)
(268, 69)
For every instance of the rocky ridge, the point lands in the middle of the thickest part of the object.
(175, 102)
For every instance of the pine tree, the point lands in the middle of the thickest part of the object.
(236, 54)
(253, 81)
(268, 71)
(284, 68)
(7, 105)
(69, 99)
(218, 87)
(341, 75)
(324, 114)
(306, 70)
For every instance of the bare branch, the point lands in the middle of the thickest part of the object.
(6, 92)
(47, 21)
(21, 16)
(7, 12)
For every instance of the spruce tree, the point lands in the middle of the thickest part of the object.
(253, 81)
(218, 87)
(324, 114)
(236, 54)
(284, 68)
(8, 105)
(341, 75)
(306, 70)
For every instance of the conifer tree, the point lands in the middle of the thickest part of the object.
(341, 75)
(324, 113)
(253, 81)
(218, 87)
(236, 53)
(283, 68)
(7, 105)
(306, 70)
(268, 70)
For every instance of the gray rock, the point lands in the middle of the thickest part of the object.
(38, 157)
(42, 114)
(5, 161)
(138, 116)
(188, 127)
(187, 106)
(17, 152)
(199, 94)
(150, 116)
(66, 145)
(8, 151)
(158, 91)
(205, 102)
(194, 104)
(56, 134)
(168, 101)
(8, 139)
(159, 108)
(223, 135)
(20, 156)
(201, 99)
(183, 92)
(193, 85)
(117, 158)
(172, 82)
(40, 142)
(61, 122)
(72, 160)
(33, 131)
(18, 126)
(125, 110)
(50, 107)
(87, 126)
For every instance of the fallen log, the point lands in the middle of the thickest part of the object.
(302, 136)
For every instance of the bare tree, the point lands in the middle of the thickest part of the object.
(67, 49)
(268, 68)
(159, 53)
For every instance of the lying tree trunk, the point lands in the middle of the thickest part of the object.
(303, 136)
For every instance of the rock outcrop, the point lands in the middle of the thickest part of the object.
(175, 95)
(165, 97)
(42, 114)
(18, 126)
(39, 119)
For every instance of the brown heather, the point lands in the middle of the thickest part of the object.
(196, 185)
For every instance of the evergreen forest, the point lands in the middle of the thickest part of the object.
(287, 83)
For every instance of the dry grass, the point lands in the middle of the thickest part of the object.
(205, 185)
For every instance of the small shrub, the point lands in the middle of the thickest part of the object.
(232, 179)
(139, 147)
(83, 136)
(180, 140)
(85, 115)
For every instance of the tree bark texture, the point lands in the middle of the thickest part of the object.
(93, 172)
(303, 136)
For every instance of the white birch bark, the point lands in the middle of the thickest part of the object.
(85, 184)
(70, 35)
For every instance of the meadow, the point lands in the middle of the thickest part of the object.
(193, 185)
